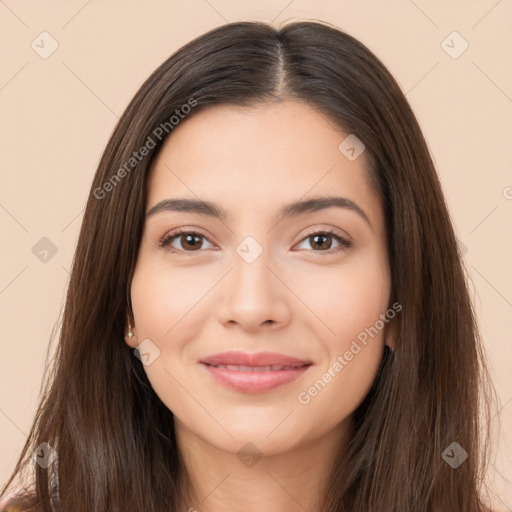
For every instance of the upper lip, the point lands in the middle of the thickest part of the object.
(256, 359)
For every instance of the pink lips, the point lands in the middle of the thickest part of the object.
(254, 373)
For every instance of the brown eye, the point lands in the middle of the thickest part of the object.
(321, 241)
(189, 241)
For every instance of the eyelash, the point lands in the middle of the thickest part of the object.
(344, 243)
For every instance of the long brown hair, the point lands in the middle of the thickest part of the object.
(115, 438)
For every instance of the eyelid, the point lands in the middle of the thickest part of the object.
(175, 234)
(331, 230)
(344, 240)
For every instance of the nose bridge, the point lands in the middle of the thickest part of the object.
(251, 276)
(253, 294)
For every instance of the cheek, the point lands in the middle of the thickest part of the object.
(165, 300)
(349, 306)
(162, 302)
(346, 300)
(170, 306)
(337, 390)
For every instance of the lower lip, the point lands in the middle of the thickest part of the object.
(254, 382)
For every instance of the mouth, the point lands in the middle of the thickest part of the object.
(253, 360)
(254, 373)
(272, 368)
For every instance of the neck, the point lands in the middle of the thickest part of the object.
(226, 481)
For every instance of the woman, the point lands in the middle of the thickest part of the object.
(267, 307)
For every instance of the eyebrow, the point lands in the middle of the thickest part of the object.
(210, 209)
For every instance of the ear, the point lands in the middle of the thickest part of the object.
(129, 327)
(391, 333)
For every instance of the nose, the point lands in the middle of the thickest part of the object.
(254, 296)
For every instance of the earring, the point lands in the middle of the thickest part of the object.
(130, 333)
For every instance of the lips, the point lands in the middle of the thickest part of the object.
(271, 368)
(254, 373)
(258, 360)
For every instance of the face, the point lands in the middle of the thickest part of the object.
(312, 285)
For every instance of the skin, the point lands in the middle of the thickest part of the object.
(295, 299)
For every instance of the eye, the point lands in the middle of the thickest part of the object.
(323, 240)
(191, 241)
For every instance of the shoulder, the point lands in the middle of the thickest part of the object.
(6, 507)
(7, 501)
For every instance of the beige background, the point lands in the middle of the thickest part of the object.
(58, 112)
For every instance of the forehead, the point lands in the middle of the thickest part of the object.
(261, 156)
